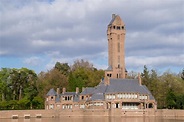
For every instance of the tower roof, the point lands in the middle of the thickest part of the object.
(51, 92)
(109, 68)
(116, 20)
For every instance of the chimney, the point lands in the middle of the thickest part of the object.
(58, 91)
(107, 81)
(139, 79)
(113, 16)
(77, 90)
(64, 90)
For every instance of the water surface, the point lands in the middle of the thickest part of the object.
(96, 119)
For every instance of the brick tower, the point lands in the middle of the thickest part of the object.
(116, 52)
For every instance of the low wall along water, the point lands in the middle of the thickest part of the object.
(14, 114)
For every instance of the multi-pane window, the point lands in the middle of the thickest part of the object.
(143, 97)
(67, 106)
(127, 96)
(110, 96)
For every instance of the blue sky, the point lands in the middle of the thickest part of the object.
(38, 33)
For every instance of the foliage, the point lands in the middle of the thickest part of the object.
(24, 89)
(168, 88)
(145, 76)
(84, 75)
(38, 102)
(17, 88)
(82, 64)
(64, 68)
(182, 75)
(51, 79)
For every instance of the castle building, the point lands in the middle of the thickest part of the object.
(115, 91)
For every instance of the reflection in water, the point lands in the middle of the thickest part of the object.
(96, 119)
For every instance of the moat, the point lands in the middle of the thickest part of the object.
(98, 119)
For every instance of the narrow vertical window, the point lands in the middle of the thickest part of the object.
(118, 47)
(118, 59)
(118, 37)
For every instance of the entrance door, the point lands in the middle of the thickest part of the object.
(117, 105)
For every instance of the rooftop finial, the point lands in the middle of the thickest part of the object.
(113, 16)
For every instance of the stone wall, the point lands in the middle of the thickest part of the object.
(28, 113)
(169, 113)
(113, 112)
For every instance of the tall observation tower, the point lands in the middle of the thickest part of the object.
(116, 51)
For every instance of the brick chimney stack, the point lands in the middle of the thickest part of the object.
(107, 81)
(64, 90)
(139, 79)
(58, 91)
(77, 90)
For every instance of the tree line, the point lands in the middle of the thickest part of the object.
(24, 89)
(168, 88)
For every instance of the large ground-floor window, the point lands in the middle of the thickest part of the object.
(67, 106)
(129, 105)
(150, 105)
(51, 106)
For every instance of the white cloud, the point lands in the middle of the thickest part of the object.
(65, 30)
(41, 43)
(158, 62)
(33, 61)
